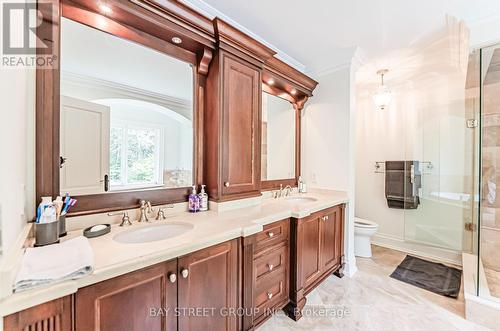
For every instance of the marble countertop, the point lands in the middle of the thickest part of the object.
(112, 258)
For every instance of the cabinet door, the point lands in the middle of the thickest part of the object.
(50, 316)
(141, 300)
(331, 236)
(208, 285)
(310, 230)
(240, 127)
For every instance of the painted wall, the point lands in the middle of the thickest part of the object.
(328, 142)
(17, 89)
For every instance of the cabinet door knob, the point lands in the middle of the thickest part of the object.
(270, 267)
(226, 184)
(269, 295)
(185, 273)
(172, 277)
(270, 234)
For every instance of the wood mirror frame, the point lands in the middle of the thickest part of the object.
(283, 81)
(146, 22)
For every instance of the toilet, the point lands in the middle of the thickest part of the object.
(363, 232)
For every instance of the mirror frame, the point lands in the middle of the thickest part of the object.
(145, 22)
(283, 81)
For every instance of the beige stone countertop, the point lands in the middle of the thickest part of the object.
(112, 258)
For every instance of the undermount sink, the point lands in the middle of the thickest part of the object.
(300, 199)
(153, 233)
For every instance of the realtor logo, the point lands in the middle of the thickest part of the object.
(27, 34)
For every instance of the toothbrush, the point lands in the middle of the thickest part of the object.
(70, 204)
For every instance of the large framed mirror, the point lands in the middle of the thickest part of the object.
(126, 115)
(119, 117)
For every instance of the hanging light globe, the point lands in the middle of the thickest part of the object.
(383, 96)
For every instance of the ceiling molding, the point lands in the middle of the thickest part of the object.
(211, 12)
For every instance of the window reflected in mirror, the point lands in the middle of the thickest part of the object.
(278, 138)
(126, 120)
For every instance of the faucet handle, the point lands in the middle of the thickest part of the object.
(125, 218)
(161, 211)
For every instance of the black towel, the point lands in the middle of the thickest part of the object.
(401, 186)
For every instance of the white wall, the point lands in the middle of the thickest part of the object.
(17, 152)
(328, 142)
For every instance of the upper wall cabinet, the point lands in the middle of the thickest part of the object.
(233, 115)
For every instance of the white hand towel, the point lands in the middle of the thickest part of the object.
(71, 259)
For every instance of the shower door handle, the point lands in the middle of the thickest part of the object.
(412, 174)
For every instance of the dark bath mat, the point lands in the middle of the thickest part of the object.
(431, 276)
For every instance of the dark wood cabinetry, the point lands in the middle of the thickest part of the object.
(126, 302)
(233, 114)
(316, 252)
(162, 297)
(208, 284)
(54, 315)
(266, 273)
(232, 138)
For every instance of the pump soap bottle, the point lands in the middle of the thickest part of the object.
(203, 199)
(194, 201)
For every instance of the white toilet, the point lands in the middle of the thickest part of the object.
(363, 232)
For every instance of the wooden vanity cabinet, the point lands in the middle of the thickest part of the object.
(316, 252)
(160, 297)
(124, 302)
(266, 273)
(55, 315)
(208, 279)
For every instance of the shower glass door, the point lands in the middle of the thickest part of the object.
(441, 133)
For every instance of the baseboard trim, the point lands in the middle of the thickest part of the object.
(434, 253)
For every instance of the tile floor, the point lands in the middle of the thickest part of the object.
(371, 300)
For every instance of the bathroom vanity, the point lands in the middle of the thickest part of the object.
(234, 284)
(211, 106)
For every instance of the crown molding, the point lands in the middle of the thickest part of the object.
(209, 11)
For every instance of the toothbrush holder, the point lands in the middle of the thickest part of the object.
(62, 225)
(46, 233)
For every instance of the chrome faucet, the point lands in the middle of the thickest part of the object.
(288, 190)
(161, 212)
(145, 209)
(125, 218)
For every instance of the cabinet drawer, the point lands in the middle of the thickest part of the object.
(270, 293)
(271, 262)
(272, 234)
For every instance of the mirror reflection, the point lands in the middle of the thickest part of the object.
(278, 138)
(126, 115)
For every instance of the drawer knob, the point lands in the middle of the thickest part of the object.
(270, 234)
(185, 273)
(270, 267)
(172, 277)
(269, 295)
(226, 184)
(325, 218)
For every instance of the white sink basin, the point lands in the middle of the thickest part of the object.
(300, 199)
(152, 233)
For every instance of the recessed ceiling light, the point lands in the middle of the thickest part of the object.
(293, 91)
(105, 8)
(270, 81)
(176, 40)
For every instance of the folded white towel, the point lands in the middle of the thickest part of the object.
(71, 259)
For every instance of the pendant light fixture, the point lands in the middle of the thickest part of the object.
(383, 96)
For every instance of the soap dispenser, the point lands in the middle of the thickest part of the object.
(194, 201)
(203, 199)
